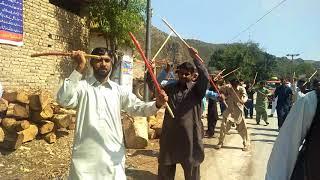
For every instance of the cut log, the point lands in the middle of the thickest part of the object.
(135, 131)
(45, 99)
(35, 116)
(11, 140)
(1, 135)
(10, 96)
(22, 97)
(3, 105)
(34, 102)
(28, 134)
(72, 126)
(46, 112)
(18, 111)
(9, 124)
(46, 127)
(67, 111)
(50, 137)
(22, 125)
(56, 108)
(62, 120)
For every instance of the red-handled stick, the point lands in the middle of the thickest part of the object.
(154, 79)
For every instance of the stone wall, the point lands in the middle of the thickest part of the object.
(46, 28)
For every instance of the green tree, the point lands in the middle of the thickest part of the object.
(115, 18)
(248, 57)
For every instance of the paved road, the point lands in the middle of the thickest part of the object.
(230, 162)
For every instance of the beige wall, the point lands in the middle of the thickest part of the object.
(46, 28)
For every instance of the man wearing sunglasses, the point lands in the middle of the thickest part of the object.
(181, 136)
(98, 150)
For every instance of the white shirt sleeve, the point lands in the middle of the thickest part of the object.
(135, 107)
(68, 93)
(286, 148)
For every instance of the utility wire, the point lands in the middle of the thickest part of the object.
(236, 36)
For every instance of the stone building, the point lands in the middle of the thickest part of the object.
(49, 25)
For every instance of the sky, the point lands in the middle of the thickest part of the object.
(292, 28)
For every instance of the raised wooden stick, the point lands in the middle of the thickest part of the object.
(230, 72)
(165, 42)
(309, 79)
(154, 79)
(254, 80)
(56, 53)
(216, 76)
(197, 55)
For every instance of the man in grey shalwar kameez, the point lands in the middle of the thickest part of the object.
(181, 138)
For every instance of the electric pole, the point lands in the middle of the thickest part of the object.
(292, 55)
(146, 96)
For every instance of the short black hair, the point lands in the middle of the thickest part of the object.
(300, 82)
(102, 51)
(187, 66)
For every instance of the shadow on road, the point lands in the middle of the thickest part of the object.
(264, 140)
(263, 129)
(223, 147)
(134, 174)
(146, 152)
(263, 134)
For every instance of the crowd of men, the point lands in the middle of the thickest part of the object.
(99, 150)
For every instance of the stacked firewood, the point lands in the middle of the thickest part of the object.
(25, 116)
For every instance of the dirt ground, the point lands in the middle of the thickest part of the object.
(39, 160)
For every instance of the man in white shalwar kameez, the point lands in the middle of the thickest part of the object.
(98, 150)
(286, 148)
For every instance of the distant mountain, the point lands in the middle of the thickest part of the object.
(174, 50)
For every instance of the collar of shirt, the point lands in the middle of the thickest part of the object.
(94, 82)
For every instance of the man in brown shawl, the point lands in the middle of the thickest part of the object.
(181, 138)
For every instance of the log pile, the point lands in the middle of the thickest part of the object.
(25, 116)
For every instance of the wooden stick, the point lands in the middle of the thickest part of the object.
(216, 77)
(230, 72)
(175, 32)
(184, 42)
(197, 55)
(310, 77)
(154, 79)
(165, 42)
(55, 53)
(254, 80)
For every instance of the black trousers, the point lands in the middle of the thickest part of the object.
(282, 113)
(249, 108)
(167, 172)
(212, 115)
